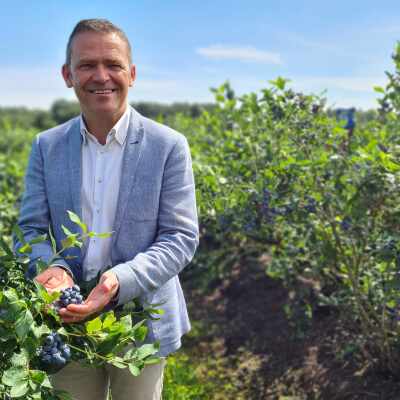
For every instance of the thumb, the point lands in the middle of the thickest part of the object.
(108, 282)
(44, 276)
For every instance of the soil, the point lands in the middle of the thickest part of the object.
(243, 341)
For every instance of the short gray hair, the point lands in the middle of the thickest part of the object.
(96, 25)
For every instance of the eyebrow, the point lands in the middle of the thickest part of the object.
(93, 61)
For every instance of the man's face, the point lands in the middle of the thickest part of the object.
(100, 74)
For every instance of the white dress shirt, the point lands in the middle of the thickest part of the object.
(101, 176)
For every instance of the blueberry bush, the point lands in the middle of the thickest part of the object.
(279, 179)
(34, 342)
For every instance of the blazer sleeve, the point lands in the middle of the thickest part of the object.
(34, 218)
(177, 236)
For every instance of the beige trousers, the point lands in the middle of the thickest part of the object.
(85, 383)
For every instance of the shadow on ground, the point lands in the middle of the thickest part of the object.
(244, 341)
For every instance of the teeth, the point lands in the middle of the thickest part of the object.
(106, 91)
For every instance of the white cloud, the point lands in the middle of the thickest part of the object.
(244, 54)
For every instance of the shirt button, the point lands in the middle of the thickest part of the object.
(99, 180)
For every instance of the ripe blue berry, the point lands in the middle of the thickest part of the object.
(71, 295)
(54, 354)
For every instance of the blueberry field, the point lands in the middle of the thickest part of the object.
(294, 292)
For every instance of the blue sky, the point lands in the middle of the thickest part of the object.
(182, 48)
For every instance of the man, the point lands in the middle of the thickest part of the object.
(123, 173)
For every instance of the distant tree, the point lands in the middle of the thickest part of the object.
(63, 110)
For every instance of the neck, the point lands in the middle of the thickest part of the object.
(100, 125)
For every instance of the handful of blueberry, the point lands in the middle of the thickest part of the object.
(71, 295)
(54, 354)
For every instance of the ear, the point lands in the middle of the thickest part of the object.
(66, 73)
(132, 74)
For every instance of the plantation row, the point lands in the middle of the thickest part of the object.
(276, 175)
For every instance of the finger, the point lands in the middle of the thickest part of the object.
(71, 320)
(64, 312)
(79, 309)
(88, 307)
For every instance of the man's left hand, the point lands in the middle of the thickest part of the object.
(98, 298)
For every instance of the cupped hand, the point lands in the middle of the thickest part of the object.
(98, 298)
(54, 279)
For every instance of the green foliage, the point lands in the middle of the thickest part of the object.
(27, 316)
(181, 381)
(277, 175)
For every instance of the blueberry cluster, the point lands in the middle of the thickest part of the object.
(54, 352)
(71, 295)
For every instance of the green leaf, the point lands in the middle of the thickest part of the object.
(152, 360)
(53, 241)
(38, 239)
(67, 231)
(279, 82)
(126, 321)
(19, 390)
(117, 362)
(19, 359)
(141, 333)
(14, 375)
(74, 218)
(41, 266)
(94, 325)
(24, 324)
(62, 331)
(134, 369)
(157, 311)
(26, 248)
(109, 320)
(100, 235)
(6, 248)
(379, 89)
(71, 241)
(19, 234)
(41, 330)
(41, 378)
(147, 350)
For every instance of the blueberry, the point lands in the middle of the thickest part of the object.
(49, 340)
(346, 223)
(58, 360)
(66, 352)
(46, 358)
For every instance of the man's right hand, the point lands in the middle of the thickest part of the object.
(55, 279)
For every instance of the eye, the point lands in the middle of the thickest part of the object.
(116, 66)
(85, 66)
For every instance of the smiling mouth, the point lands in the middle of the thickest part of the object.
(103, 91)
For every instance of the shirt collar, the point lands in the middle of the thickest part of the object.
(119, 130)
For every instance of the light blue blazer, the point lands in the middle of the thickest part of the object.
(155, 230)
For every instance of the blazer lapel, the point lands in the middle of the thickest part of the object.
(129, 166)
(75, 167)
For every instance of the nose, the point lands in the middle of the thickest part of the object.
(100, 74)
